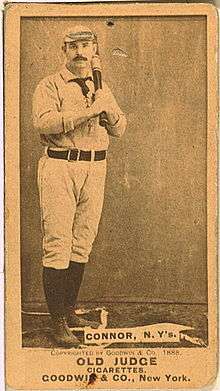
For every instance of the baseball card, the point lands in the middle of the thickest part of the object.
(110, 195)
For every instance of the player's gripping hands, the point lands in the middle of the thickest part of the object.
(101, 103)
(104, 103)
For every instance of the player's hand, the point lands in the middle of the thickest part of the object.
(101, 103)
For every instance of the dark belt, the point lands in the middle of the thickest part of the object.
(77, 154)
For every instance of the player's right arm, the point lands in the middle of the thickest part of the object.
(48, 118)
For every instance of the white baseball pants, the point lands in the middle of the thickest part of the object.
(71, 200)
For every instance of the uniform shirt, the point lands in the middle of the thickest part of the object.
(57, 101)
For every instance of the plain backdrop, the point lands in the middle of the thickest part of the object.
(151, 244)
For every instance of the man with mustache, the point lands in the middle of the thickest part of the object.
(71, 174)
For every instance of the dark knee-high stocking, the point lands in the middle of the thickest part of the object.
(54, 282)
(74, 279)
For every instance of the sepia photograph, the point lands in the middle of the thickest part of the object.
(115, 168)
(147, 110)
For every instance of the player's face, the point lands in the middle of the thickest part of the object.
(80, 53)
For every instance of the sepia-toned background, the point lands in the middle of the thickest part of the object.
(151, 245)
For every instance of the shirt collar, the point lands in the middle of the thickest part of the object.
(69, 76)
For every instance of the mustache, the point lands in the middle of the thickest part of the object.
(82, 58)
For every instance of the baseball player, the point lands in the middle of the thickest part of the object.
(71, 174)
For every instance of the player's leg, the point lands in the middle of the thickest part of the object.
(58, 204)
(88, 212)
(74, 280)
(85, 228)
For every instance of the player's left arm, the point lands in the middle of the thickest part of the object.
(116, 120)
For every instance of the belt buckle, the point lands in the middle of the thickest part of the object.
(77, 154)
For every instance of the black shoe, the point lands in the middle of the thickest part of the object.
(76, 321)
(62, 334)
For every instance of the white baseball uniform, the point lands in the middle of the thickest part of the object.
(71, 191)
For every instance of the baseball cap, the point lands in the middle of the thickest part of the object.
(79, 33)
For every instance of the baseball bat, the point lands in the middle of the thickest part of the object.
(97, 77)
